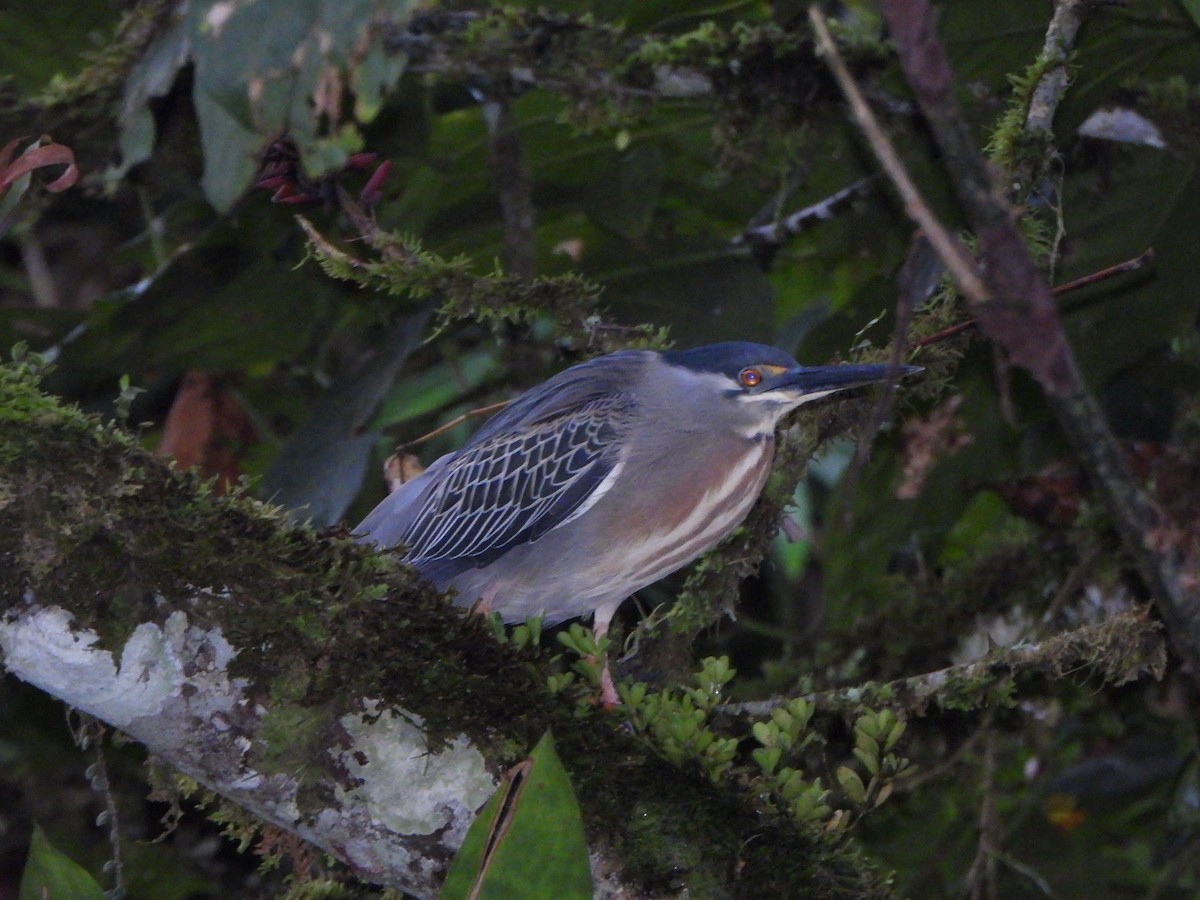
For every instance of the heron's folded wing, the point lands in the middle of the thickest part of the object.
(517, 485)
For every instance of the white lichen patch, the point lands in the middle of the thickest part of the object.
(43, 648)
(169, 687)
(406, 787)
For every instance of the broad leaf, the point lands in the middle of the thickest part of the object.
(52, 875)
(528, 841)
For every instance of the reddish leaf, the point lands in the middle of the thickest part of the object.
(36, 158)
(371, 193)
(361, 160)
(7, 152)
(272, 182)
(285, 193)
(206, 429)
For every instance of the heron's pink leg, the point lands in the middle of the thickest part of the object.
(608, 690)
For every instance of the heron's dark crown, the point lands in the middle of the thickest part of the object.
(728, 358)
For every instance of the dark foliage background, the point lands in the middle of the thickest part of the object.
(631, 148)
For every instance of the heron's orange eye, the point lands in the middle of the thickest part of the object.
(750, 377)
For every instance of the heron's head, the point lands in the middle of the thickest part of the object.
(754, 386)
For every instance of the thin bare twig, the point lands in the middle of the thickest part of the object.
(1070, 587)
(949, 248)
(1130, 265)
(923, 776)
(945, 334)
(981, 877)
(457, 420)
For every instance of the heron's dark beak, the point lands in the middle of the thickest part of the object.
(828, 379)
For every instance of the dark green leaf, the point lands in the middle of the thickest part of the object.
(51, 875)
(322, 467)
(528, 841)
(1193, 9)
(47, 39)
(264, 68)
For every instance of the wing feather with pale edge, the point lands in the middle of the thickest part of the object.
(510, 486)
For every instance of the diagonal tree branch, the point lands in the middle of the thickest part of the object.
(1119, 649)
(313, 682)
(1016, 309)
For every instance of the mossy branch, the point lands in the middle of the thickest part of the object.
(404, 268)
(314, 682)
(1119, 649)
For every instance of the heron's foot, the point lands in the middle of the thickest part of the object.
(608, 691)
